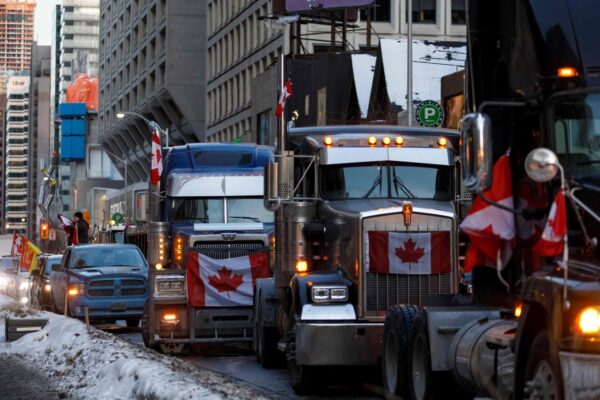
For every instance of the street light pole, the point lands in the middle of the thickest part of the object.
(151, 124)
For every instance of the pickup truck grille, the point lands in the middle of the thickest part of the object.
(116, 287)
(386, 290)
(220, 250)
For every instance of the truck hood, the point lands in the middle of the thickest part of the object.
(94, 272)
(357, 207)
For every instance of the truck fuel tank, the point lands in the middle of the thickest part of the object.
(481, 357)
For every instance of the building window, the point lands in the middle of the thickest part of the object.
(380, 13)
(458, 12)
(423, 11)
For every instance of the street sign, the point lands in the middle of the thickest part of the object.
(118, 218)
(429, 114)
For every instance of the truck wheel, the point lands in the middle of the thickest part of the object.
(303, 378)
(266, 340)
(542, 375)
(394, 354)
(423, 383)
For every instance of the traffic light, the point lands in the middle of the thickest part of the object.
(44, 230)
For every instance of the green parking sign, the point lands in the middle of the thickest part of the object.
(429, 114)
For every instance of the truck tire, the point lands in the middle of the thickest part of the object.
(423, 383)
(266, 340)
(542, 373)
(304, 379)
(394, 352)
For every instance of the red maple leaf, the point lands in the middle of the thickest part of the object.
(225, 282)
(410, 253)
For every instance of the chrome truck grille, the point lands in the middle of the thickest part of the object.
(220, 250)
(383, 290)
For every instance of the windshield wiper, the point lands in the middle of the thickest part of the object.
(254, 219)
(375, 184)
(399, 183)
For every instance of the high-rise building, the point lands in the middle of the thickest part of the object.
(152, 62)
(16, 34)
(16, 151)
(79, 41)
(40, 134)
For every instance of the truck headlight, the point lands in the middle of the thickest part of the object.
(325, 294)
(169, 285)
(588, 321)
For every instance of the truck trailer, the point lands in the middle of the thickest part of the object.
(531, 328)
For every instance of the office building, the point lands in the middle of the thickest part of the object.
(16, 154)
(79, 38)
(16, 34)
(152, 62)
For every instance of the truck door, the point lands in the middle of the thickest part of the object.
(58, 282)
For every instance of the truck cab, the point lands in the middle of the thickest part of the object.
(362, 213)
(211, 204)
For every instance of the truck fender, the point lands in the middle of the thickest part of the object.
(443, 324)
(265, 296)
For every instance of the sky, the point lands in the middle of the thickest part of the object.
(43, 21)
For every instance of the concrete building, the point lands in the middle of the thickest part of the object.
(16, 154)
(16, 34)
(40, 133)
(241, 46)
(152, 62)
(79, 41)
(244, 40)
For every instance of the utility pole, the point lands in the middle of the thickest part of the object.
(409, 87)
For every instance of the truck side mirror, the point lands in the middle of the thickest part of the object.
(476, 152)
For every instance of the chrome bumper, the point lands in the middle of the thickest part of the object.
(581, 375)
(338, 343)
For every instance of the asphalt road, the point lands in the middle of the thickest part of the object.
(237, 361)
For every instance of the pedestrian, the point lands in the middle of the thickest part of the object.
(82, 228)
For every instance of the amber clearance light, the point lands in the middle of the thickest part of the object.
(399, 141)
(372, 140)
(386, 141)
(328, 141)
(588, 321)
(518, 310)
(567, 72)
(301, 265)
(407, 210)
(442, 142)
(169, 317)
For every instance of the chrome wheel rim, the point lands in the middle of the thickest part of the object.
(419, 365)
(543, 385)
(391, 362)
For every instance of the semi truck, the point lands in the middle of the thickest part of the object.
(210, 203)
(361, 215)
(531, 329)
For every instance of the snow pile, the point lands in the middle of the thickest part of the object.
(96, 365)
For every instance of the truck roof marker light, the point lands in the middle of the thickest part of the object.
(399, 140)
(442, 142)
(372, 140)
(588, 321)
(328, 141)
(301, 265)
(407, 210)
(386, 141)
(567, 72)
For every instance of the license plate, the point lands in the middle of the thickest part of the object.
(117, 306)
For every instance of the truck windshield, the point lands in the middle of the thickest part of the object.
(109, 256)
(575, 121)
(385, 180)
(212, 210)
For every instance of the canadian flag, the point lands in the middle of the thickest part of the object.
(229, 282)
(551, 243)
(409, 253)
(69, 227)
(17, 245)
(286, 92)
(491, 230)
(156, 167)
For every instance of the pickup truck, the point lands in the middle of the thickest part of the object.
(110, 280)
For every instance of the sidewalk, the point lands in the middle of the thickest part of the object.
(19, 382)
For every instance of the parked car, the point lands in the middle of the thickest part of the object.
(40, 291)
(110, 280)
(8, 277)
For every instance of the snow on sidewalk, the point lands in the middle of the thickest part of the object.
(98, 365)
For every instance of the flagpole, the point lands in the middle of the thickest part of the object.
(409, 87)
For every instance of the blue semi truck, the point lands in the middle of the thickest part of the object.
(208, 206)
